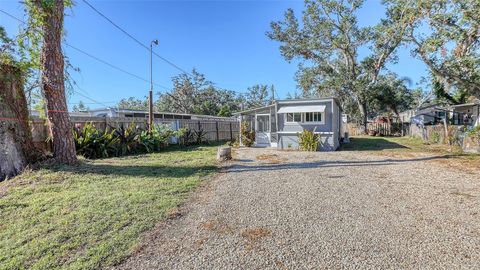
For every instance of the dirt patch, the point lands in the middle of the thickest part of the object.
(254, 235)
(461, 162)
(199, 242)
(281, 265)
(271, 158)
(217, 227)
(470, 165)
(174, 213)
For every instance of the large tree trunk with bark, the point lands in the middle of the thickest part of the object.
(53, 81)
(362, 106)
(16, 145)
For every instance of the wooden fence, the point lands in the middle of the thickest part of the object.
(453, 134)
(383, 129)
(215, 130)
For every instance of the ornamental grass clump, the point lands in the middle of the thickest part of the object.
(248, 136)
(308, 140)
(474, 134)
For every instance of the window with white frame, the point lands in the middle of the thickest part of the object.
(293, 117)
(313, 117)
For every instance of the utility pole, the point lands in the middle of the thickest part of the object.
(150, 93)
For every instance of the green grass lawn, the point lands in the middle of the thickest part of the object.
(409, 147)
(93, 215)
(396, 144)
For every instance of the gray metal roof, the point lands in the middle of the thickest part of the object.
(290, 101)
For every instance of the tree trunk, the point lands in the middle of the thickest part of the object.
(16, 145)
(53, 82)
(362, 106)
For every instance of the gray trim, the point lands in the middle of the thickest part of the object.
(295, 132)
(254, 109)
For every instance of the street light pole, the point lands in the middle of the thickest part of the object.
(150, 93)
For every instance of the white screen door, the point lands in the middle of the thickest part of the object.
(262, 129)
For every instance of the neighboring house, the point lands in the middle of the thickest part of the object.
(122, 113)
(114, 112)
(466, 114)
(278, 124)
(383, 119)
(429, 115)
(37, 114)
(461, 114)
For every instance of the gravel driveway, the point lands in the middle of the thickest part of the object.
(297, 210)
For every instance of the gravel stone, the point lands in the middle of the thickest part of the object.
(300, 210)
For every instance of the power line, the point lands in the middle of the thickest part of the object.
(91, 99)
(139, 42)
(103, 102)
(95, 58)
(113, 66)
(135, 39)
(13, 17)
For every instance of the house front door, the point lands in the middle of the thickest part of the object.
(262, 129)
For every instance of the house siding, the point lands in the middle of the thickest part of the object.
(336, 125)
(287, 135)
(299, 127)
(329, 130)
(286, 142)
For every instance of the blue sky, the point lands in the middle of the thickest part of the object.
(225, 40)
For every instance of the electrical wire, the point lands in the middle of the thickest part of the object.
(95, 58)
(135, 39)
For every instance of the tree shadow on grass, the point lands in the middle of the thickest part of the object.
(193, 147)
(370, 144)
(123, 168)
(154, 171)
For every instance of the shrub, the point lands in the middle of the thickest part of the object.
(453, 136)
(128, 139)
(308, 140)
(92, 143)
(474, 134)
(156, 139)
(248, 136)
(200, 136)
(435, 136)
(188, 137)
(234, 143)
(192, 137)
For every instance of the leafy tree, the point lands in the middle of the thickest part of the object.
(186, 90)
(48, 15)
(196, 95)
(81, 107)
(6, 46)
(445, 34)
(328, 41)
(133, 103)
(442, 96)
(294, 95)
(258, 95)
(211, 100)
(391, 96)
(225, 111)
(185, 93)
(11, 54)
